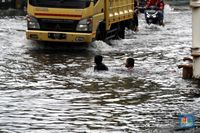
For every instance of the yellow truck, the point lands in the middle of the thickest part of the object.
(78, 21)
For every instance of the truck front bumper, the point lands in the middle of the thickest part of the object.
(54, 36)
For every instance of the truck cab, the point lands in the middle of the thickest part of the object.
(77, 21)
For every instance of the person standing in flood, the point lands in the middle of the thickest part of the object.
(99, 65)
(135, 16)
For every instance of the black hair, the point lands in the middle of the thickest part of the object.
(130, 62)
(98, 59)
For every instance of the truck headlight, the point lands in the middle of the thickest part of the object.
(32, 22)
(84, 25)
(148, 15)
(154, 15)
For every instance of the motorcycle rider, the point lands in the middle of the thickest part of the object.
(160, 6)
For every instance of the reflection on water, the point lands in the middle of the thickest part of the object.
(53, 88)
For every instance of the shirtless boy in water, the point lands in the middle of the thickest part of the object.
(129, 63)
(99, 65)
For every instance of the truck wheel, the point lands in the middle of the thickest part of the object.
(120, 32)
(98, 35)
(101, 33)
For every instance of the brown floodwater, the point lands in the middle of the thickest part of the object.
(53, 88)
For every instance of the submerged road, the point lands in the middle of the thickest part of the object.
(53, 89)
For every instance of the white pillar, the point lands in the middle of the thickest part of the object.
(195, 4)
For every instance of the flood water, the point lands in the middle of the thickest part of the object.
(53, 89)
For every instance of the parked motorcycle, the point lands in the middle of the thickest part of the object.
(153, 15)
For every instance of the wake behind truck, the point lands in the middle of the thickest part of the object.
(78, 21)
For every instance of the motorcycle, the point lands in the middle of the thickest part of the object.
(153, 16)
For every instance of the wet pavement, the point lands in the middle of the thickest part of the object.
(52, 88)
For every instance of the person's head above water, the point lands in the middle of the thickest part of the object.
(99, 65)
(98, 59)
(129, 63)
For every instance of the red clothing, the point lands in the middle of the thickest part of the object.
(159, 3)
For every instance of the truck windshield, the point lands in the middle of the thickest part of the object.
(61, 3)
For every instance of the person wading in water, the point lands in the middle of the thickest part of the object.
(99, 65)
